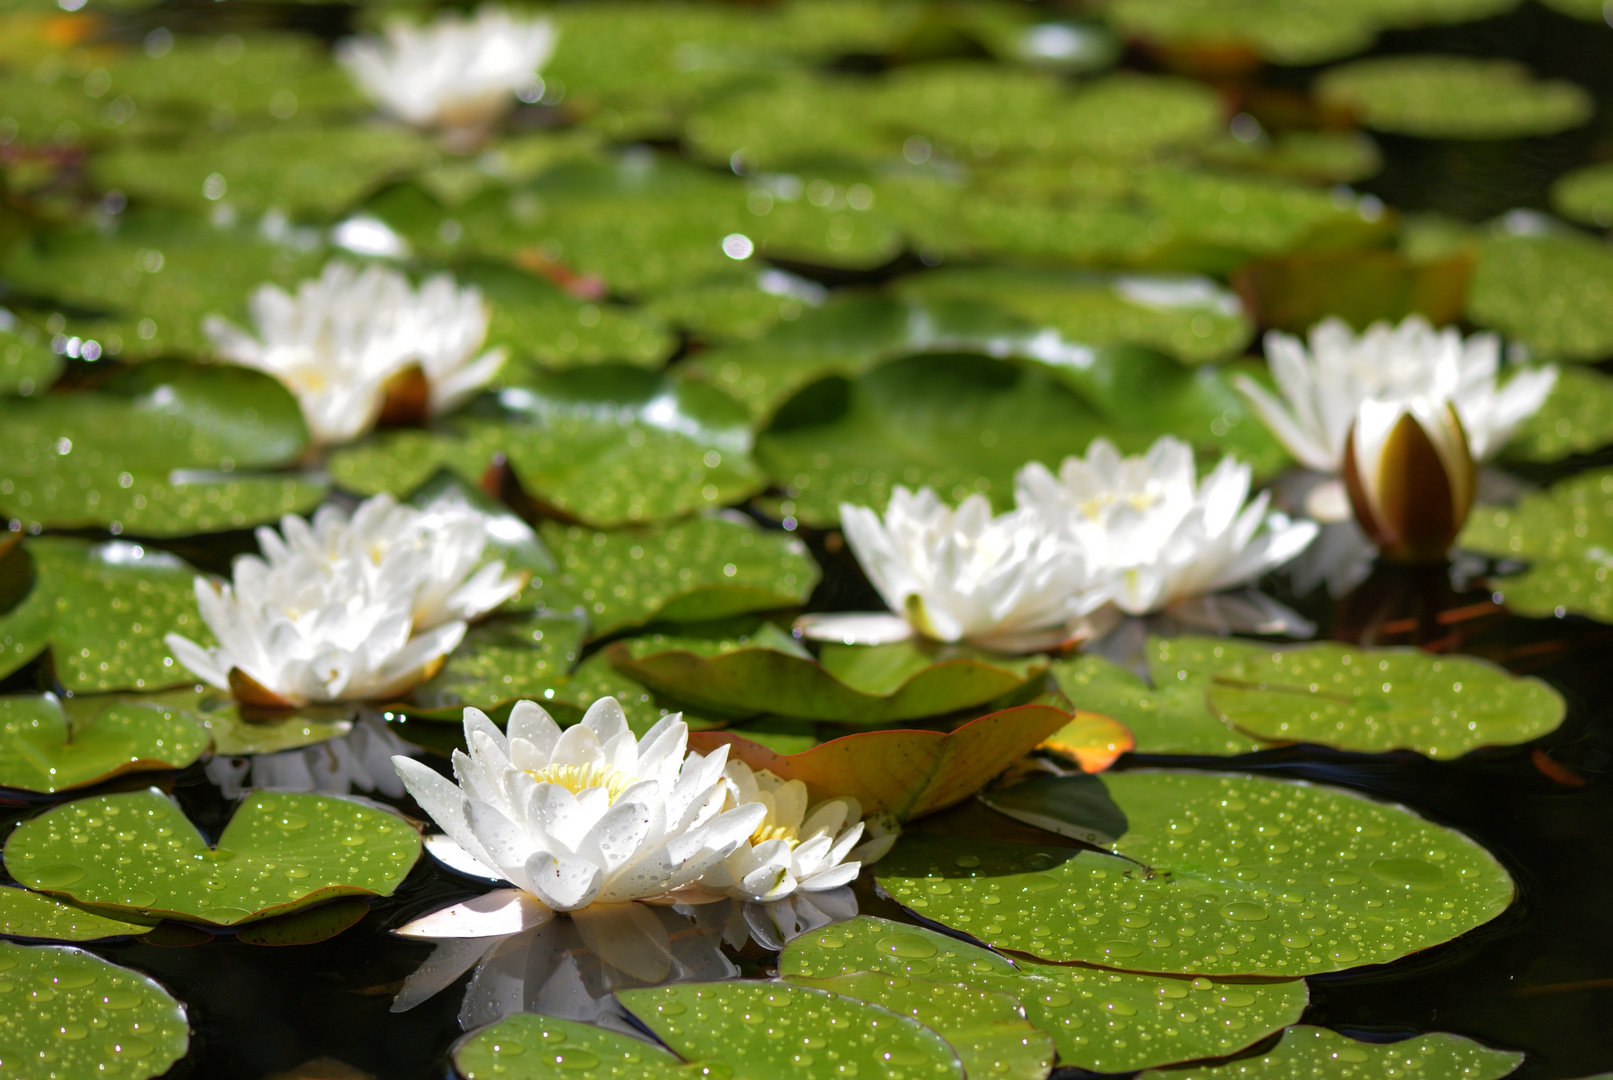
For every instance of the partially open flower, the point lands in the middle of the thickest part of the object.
(454, 73)
(351, 343)
(797, 847)
(347, 608)
(1005, 582)
(1410, 476)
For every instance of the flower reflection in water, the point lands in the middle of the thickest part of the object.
(571, 968)
(360, 761)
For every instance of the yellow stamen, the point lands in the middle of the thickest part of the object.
(578, 778)
(768, 832)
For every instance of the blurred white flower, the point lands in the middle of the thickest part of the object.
(1159, 539)
(349, 336)
(795, 848)
(454, 72)
(347, 608)
(1324, 386)
(589, 816)
(1004, 582)
(1410, 477)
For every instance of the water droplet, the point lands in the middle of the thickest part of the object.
(121, 999)
(1244, 911)
(1120, 948)
(1120, 1008)
(1412, 873)
(576, 1059)
(1296, 940)
(1134, 920)
(1237, 999)
(289, 822)
(967, 862)
(906, 945)
(904, 1057)
(1344, 954)
(296, 872)
(509, 1048)
(672, 1008)
(140, 898)
(132, 1047)
(58, 876)
(1342, 879)
(1352, 1054)
(67, 979)
(830, 942)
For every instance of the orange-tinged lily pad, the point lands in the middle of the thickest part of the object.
(1091, 740)
(907, 773)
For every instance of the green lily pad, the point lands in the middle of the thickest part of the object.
(1216, 875)
(309, 926)
(278, 854)
(90, 1017)
(856, 685)
(1336, 157)
(304, 171)
(1586, 195)
(236, 729)
(1283, 33)
(1103, 1021)
(1576, 418)
(568, 1050)
(718, 1022)
(1170, 716)
(1547, 291)
(104, 609)
(46, 747)
(502, 660)
(544, 326)
(155, 452)
(694, 571)
(1452, 97)
(1373, 700)
(27, 364)
(1566, 534)
(1589, 10)
(27, 914)
(1306, 1052)
(604, 445)
(987, 1029)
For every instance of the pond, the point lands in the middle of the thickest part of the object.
(817, 538)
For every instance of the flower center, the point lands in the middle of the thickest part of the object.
(578, 778)
(768, 832)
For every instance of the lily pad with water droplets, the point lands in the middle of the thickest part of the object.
(1577, 418)
(502, 660)
(1103, 1021)
(1170, 716)
(279, 853)
(236, 729)
(1566, 535)
(76, 1015)
(28, 365)
(107, 607)
(1374, 700)
(48, 748)
(1586, 195)
(1216, 875)
(721, 1022)
(25, 914)
(525, 1046)
(694, 571)
(1453, 97)
(1313, 1053)
(1547, 291)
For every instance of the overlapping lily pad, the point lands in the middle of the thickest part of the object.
(279, 853)
(80, 1016)
(505, 659)
(565, 1049)
(1453, 97)
(1566, 534)
(1216, 875)
(236, 729)
(1382, 699)
(1306, 1051)
(1586, 195)
(1577, 418)
(168, 450)
(27, 914)
(103, 609)
(28, 365)
(1104, 1021)
(854, 685)
(708, 568)
(1548, 291)
(48, 748)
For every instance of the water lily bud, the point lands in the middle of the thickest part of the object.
(1410, 476)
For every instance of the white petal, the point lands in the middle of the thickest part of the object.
(501, 912)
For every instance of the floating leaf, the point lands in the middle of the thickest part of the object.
(1586, 195)
(46, 748)
(90, 1017)
(307, 927)
(27, 364)
(1294, 292)
(502, 660)
(604, 445)
(27, 914)
(1373, 700)
(568, 1050)
(535, 319)
(1103, 1021)
(107, 607)
(695, 571)
(1217, 875)
(1339, 157)
(1566, 534)
(912, 680)
(905, 773)
(1577, 418)
(1305, 1052)
(1453, 97)
(1091, 740)
(718, 1022)
(1171, 716)
(1548, 292)
(279, 853)
(1076, 806)
(238, 729)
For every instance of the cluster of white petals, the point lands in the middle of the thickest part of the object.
(1324, 387)
(344, 335)
(1106, 537)
(454, 72)
(343, 607)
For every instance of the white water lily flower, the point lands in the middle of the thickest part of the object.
(454, 72)
(591, 815)
(1323, 386)
(1004, 582)
(1161, 539)
(346, 608)
(337, 343)
(796, 847)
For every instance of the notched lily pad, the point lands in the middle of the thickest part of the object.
(1216, 875)
(1454, 97)
(1373, 700)
(48, 748)
(1305, 1052)
(1103, 1021)
(504, 659)
(90, 1017)
(25, 914)
(280, 852)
